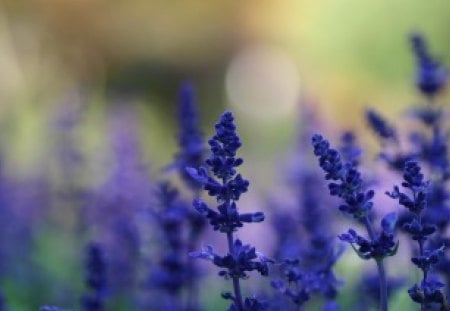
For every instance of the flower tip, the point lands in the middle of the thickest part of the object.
(389, 222)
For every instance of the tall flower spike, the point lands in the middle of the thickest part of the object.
(190, 138)
(347, 184)
(169, 274)
(94, 299)
(431, 76)
(316, 255)
(224, 183)
(190, 154)
(428, 292)
(227, 186)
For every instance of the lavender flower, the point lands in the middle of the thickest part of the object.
(380, 126)
(350, 151)
(431, 76)
(318, 253)
(117, 203)
(190, 138)
(303, 242)
(227, 186)
(171, 272)
(191, 154)
(428, 291)
(304, 248)
(94, 299)
(296, 285)
(348, 186)
(430, 145)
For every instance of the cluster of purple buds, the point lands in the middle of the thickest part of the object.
(222, 182)
(244, 259)
(383, 246)
(429, 291)
(347, 185)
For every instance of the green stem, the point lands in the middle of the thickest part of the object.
(380, 267)
(236, 285)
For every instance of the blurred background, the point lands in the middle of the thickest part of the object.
(76, 76)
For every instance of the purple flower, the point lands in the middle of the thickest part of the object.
(94, 299)
(348, 185)
(431, 76)
(224, 183)
(428, 291)
(190, 139)
(379, 125)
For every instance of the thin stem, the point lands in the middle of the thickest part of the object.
(383, 285)
(380, 266)
(193, 293)
(423, 306)
(236, 285)
(192, 297)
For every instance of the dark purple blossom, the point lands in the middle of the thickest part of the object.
(347, 185)
(190, 139)
(227, 186)
(224, 183)
(431, 76)
(382, 246)
(244, 259)
(379, 125)
(428, 291)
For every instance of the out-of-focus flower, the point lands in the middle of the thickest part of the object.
(431, 76)
(96, 279)
(190, 139)
(379, 125)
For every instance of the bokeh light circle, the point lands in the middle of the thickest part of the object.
(263, 83)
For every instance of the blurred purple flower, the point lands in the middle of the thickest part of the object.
(117, 202)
